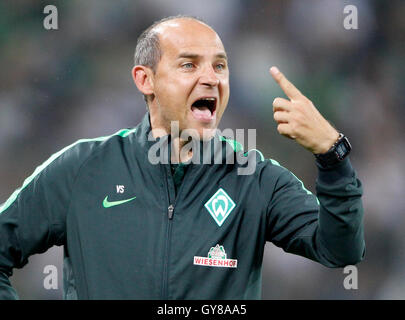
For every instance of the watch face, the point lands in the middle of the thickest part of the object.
(340, 150)
(343, 148)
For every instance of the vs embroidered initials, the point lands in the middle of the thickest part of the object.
(120, 188)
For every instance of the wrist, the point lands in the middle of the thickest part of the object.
(337, 153)
(327, 144)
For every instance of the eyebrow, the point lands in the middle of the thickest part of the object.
(187, 55)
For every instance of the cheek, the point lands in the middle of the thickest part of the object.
(173, 90)
(225, 91)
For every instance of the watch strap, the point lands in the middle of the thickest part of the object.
(340, 149)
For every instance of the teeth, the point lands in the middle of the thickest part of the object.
(210, 99)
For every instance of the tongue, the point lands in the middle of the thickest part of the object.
(202, 113)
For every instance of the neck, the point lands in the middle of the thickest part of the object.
(178, 154)
(177, 144)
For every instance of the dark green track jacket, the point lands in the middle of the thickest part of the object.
(127, 235)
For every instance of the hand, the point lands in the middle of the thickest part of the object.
(298, 118)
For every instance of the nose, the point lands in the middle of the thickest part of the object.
(208, 77)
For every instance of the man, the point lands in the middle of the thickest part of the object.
(133, 229)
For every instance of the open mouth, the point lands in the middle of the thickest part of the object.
(204, 108)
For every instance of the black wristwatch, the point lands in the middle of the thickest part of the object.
(340, 150)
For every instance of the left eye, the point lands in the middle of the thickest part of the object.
(220, 66)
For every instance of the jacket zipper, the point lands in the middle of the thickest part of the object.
(170, 211)
(165, 291)
(172, 199)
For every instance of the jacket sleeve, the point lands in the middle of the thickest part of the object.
(327, 228)
(33, 218)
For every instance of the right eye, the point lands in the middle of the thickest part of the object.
(187, 65)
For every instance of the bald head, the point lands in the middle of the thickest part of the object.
(178, 22)
(183, 32)
(148, 49)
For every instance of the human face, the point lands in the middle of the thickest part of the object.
(191, 82)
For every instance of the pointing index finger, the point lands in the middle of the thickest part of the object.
(289, 89)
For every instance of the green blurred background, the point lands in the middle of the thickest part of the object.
(57, 86)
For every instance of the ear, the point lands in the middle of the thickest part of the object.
(143, 78)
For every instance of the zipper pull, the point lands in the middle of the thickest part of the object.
(170, 209)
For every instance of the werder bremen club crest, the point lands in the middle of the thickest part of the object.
(220, 206)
